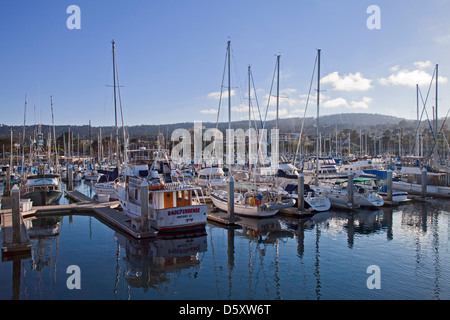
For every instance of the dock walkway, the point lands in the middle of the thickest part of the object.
(82, 205)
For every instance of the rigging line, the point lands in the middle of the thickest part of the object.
(256, 99)
(306, 107)
(270, 94)
(431, 130)
(440, 131)
(120, 104)
(426, 99)
(240, 87)
(221, 89)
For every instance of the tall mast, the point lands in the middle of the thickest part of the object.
(417, 132)
(249, 99)
(229, 84)
(436, 119)
(23, 138)
(54, 136)
(278, 88)
(317, 120)
(115, 103)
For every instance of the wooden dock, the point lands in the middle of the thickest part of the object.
(9, 246)
(83, 205)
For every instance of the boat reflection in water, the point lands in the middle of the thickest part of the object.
(150, 262)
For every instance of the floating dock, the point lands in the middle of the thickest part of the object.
(103, 211)
(22, 247)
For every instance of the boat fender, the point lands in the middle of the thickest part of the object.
(251, 201)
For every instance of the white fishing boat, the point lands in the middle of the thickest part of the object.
(42, 189)
(173, 206)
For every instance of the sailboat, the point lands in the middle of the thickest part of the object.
(260, 202)
(337, 193)
(42, 188)
(104, 179)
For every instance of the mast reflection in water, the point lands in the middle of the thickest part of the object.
(322, 257)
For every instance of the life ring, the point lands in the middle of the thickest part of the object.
(251, 201)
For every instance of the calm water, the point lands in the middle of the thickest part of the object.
(324, 257)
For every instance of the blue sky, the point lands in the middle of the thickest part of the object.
(171, 55)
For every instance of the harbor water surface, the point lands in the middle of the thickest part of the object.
(327, 256)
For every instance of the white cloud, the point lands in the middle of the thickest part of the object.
(410, 78)
(405, 77)
(208, 111)
(335, 103)
(422, 64)
(342, 103)
(363, 104)
(216, 95)
(349, 82)
(395, 68)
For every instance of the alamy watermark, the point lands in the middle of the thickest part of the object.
(242, 147)
(374, 280)
(74, 280)
(374, 20)
(74, 20)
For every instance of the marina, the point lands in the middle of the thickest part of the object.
(223, 166)
(324, 256)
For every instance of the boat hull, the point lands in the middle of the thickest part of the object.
(242, 209)
(43, 198)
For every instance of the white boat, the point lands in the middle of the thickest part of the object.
(211, 177)
(42, 189)
(375, 185)
(311, 200)
(173, 206)
(327, 169)
(91, 175)
(262, 203)
(339, 197)
(410, 180)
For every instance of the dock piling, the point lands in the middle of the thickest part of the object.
(350, 190)
(15, 206)
(424, 182)
(230, 198)
(301, 192)
(144, 205)
(69, 178)
(389, 185)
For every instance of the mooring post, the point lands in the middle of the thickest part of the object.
(424, 182)
(350, 190)
(15, 206)
(301, 192)
(69, 178)
(230, 198)
(389, 185)
(8, 181)
(144, 205)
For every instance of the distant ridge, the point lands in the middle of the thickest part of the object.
(327, 123)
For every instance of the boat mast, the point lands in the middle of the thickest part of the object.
(229, 84)
(249, 100)
(54, 137)
(317, 120)
(23, 139)
(418, 121)
(278, 88)
(115, 103)
(436, 120)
